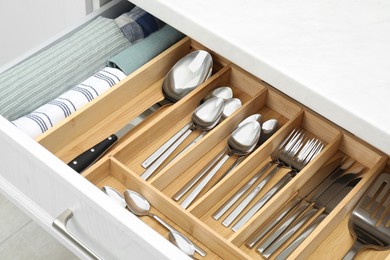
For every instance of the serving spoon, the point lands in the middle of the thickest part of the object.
(187, 74)
(140, 206)
(205, 117)
(241, 142)
(222, 92)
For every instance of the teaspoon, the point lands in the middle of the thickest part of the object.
(187, 74)
(205, 117)
(178, 239)
(140, 206)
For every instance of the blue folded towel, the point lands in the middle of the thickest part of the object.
(141, 52)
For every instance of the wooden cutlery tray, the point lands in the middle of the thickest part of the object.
(121, 167)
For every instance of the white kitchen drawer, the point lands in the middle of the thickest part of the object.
(44, 187)
(36, 178)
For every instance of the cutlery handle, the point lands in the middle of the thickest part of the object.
(289, 233)
(249, 198)
(290, 248)
(188, 146)
(170, 228)
(259, 204)
(87, 158)
(165, 146)
(260, 233)
(165, 155)
(191, 197)
(233, 199)
(197, 177)
(286, 224)
(231, 168)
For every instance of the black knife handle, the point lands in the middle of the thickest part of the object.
(87, 158)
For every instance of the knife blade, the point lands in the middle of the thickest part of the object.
(331, 193)
(328, 208)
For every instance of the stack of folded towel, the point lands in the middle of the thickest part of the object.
(46, 88)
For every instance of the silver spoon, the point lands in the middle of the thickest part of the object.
(205, 117)
(231, 106)
(222, 92)
(181, 242)
(178, 239)
(140, 206)
(115, 195)
(178, 195)
(188, 73)
(241, 142)
(268, 128)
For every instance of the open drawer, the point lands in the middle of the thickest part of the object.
(37, 178)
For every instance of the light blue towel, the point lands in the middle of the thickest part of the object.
(143, 51)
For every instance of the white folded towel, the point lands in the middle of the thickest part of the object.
(46, 116)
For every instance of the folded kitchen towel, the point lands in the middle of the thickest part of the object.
(143, 51)
(138, 24)
(46, 116)
(53, 71)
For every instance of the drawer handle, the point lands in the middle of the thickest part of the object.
(60, 224)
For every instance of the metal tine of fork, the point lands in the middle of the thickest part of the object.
(280, 184)
(290, 147)
(274, 156)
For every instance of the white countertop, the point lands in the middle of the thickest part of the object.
(332, 56)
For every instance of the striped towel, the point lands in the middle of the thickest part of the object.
(46, 116)
(49, 73)
(138, 24)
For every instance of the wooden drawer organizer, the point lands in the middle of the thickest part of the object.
(121, 167)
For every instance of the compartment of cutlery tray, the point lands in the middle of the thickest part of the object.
(366, 164)
(207, 206)
(111, 172)
(119, 105)
(139, 147)
(340, 235)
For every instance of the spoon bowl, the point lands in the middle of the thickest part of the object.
(241, 142)
(115, 195)
(181, 242)
(231, 106)
(140, 206)
(187, 74)
(222, 92)
(254, 117)
(244, 139)
(268, 128)
(207, 115)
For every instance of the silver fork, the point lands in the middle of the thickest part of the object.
(297, 206)
(296, 161)
(233, 199)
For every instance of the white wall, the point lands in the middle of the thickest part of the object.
(27, 23)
